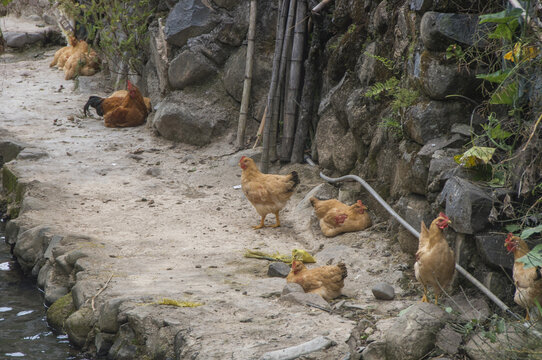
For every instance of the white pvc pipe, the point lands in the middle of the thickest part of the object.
(414, 232)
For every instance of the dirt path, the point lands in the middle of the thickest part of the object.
(171, 225)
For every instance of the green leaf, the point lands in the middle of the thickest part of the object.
(496, 77)
(501, 326)
(448, 310)
(502, 17)
(506, 96)
(499, 134)
(476, 155)
(529, 231)
(512, 227)
(505, 31)
(533, 257)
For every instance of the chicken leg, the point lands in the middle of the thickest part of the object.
(424, 297)
(277, 223)
(261, 225)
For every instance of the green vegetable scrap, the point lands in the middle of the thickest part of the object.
(296, 253)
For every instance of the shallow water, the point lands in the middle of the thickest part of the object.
(24, 333)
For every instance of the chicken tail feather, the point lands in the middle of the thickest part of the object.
(294, 178)
(344, 272)
(96, 103)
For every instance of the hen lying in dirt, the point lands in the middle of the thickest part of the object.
(435, 261)
(326, 281)
(76, 59)
(268, 193)
(121, 109)
(528, 281)
(337, 218)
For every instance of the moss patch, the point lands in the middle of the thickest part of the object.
(60, 311)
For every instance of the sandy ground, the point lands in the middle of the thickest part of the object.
(173, 226)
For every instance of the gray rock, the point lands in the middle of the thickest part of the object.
(427, 151)
(30, 246)
(499, 284)
(124, 347)
(188, 18)
(439, 30)
(303, 298)
(383, 291)
(234, 73)
(107, 316)
(233, 31)
(278, 269)
(328, 134)
(413, 209)
(420, 5)
(78, 326)
(158, 48)
(189, 68)
(84, 290)
(366, 66)
(414, 332)
(20, 39)
(227, 4)
(428, 120)
(380, 17)
(55, 283)
(440, 78)
(103, 342)
(191, 118)
(448, 340)
(467, 205)
(410, 171)
(32, 154)
(467, 309)
(9, 150)
(207, 45)
(292, 288)
(491, 248)
(514, 340)
(345, 153)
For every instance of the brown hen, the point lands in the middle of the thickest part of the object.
(528, 281)
(268, 193)
(326, 281)
(336, 217)
(435, 262)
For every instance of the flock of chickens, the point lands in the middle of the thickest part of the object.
(435, 261)
(123, 108)
(269, 193)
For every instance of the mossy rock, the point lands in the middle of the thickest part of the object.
(59, 311)
(13, 189)
(78, 326)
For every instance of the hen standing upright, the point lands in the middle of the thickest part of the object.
(435, 264)
(528, 281)
(268, 193)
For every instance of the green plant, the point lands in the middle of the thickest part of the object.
(117, 29)
(455, 51)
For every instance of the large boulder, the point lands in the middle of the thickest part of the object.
(188, 18)
(430, 119)
(189, 68)
(439, 30)
(21, 39)
(467, 205)
(491, 248)
(440, 78)
(413, 209)
(192, 117)
(410, 336)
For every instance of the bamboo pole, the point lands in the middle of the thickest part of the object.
(281, 23)
(320, 6)
(260, 129)
(292, 95)
(278, 106)
(309, 98)
(248, 76)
